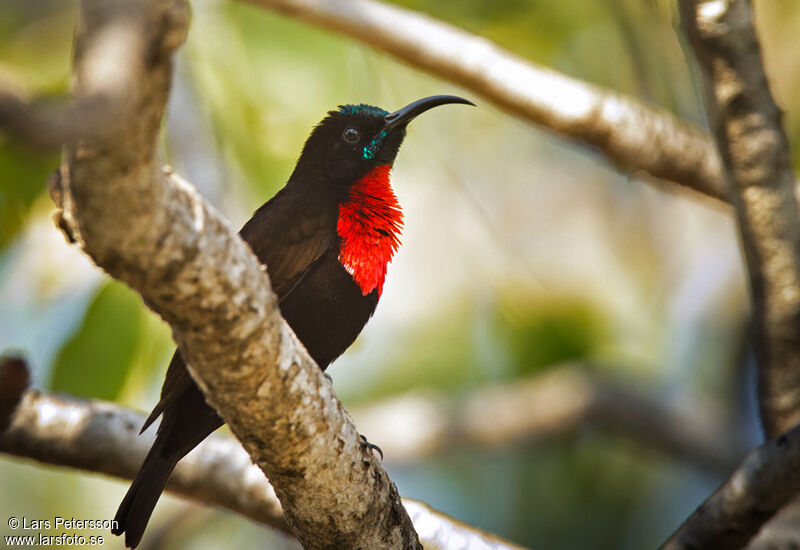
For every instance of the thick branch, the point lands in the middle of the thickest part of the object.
(543, 406)
(102, 437)
(632, 135)
(757, 490)
(757, 162)
(153, 231)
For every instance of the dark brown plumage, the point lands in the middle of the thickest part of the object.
(299, 235)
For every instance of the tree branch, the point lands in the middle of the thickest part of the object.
(757, 162)
(47, 125)
(113, 65)
(756, 491)
(151, 230)
(781, 532)
(633, 136)
(102, 437)
(544, 406)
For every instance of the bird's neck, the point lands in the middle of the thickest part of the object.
(369, 224)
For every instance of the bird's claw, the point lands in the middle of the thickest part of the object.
(372, 447)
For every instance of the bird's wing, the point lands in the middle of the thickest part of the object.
(287, 234)
(176, 381)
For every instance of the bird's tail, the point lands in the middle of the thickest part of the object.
(140, 500)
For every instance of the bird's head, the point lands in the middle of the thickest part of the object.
(354, 139)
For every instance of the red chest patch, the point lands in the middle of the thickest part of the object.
(369, 225)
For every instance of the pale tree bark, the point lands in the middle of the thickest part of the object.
(757, 161)
(151, 230)
(633, 136)
(101, 437)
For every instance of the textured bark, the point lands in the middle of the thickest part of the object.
(756, 491)
(757, 162)
(151, 230)
(102, 437)
(633, 136)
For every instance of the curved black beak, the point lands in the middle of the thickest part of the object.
(412, 110)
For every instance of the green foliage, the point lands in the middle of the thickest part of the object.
(533, 29)
(262, 80)
(464, 346)
(36, 66)
(23, 175)
(541, 333)
(438, 355)
(95, 363)
(254, 113)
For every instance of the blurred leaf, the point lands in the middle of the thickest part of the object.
(37, 65)
(23, 175)
(533, 29)
(96, 361)
(464, 346)
(538, 334)
(257, 87)
(439, 354)
(150, 359)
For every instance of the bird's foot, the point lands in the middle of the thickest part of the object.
(372, 447)
(328, 376)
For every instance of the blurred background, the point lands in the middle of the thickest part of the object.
(521, 253)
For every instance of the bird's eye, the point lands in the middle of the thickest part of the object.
(351, 135)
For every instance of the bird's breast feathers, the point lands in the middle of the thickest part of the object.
(369, 225)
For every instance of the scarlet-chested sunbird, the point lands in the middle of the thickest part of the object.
(326, 238)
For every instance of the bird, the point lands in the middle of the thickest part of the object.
(326, 238)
